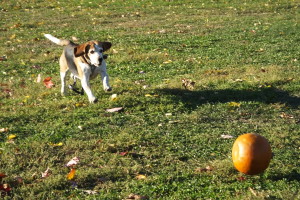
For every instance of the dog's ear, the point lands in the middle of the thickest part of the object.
(104, 45)
(81, 49)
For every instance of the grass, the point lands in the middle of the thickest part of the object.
(243, 56)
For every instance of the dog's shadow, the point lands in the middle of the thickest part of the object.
(193, 99)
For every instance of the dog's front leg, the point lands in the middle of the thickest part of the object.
(85, 83)
(105, 78)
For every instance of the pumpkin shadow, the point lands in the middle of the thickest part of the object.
(192, 99)
(292, 176)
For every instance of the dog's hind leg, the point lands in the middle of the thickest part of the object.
(74, 81)
(63, 82)
(73, 86)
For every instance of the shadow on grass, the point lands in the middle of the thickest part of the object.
(192, 99)
(292, 176)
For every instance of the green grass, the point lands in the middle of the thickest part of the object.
(245, 52)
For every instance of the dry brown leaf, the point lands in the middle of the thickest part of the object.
(46, 173)
(4, 130)
(3, 58)
(226, 136)
(39, 78)
(141, 177)
(90, 191)
(286, 116)
(137, 197)
(48, 83)
(253, 191)
(71, 174)
(72, 162)
(111, 110)
(19, 180)
(188, 84)
(206, 169)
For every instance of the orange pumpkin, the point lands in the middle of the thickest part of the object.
(251, 153)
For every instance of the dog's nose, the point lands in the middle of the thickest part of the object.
(100, 60)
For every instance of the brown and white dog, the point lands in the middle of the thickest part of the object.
(85, 62)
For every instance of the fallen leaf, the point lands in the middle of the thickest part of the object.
(226, 136)
(238, 80)
(23, 83)
(286, 116)
(5, 188)
(48, 83)
(241, 178)
(150, 95)
(140, 177)
(56, 145)
(72, 162)
(71, 174)
(188, 84)
(113, 97)
(75, 39)
(19, 180)
(46, 173)
(3, 130)
(2, 176)
(11, 136)
(99, 141)
(3, 58)
(90, 191)
(137, 197)
(114, 51)
(206, 169)
(253, 191)
(13, 36)
(8, 92)
(117, 109)
(123, 153)
(234, 104)
(80, 104)
(168, 61)
(16, 26)
(10, 142)
(174, 121)
(39, 78)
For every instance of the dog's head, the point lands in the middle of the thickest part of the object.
(93, 51)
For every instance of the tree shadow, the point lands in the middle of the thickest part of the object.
(268, 95)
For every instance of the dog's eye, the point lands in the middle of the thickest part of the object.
(92, 52)
(101, 51)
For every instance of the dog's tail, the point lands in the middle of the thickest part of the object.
(56, 40)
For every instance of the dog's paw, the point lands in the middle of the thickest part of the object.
(108, 89)
(64, 93)
(93, 100)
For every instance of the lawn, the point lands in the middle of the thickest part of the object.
(168, 141)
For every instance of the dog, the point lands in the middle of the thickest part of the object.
(84, 61)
